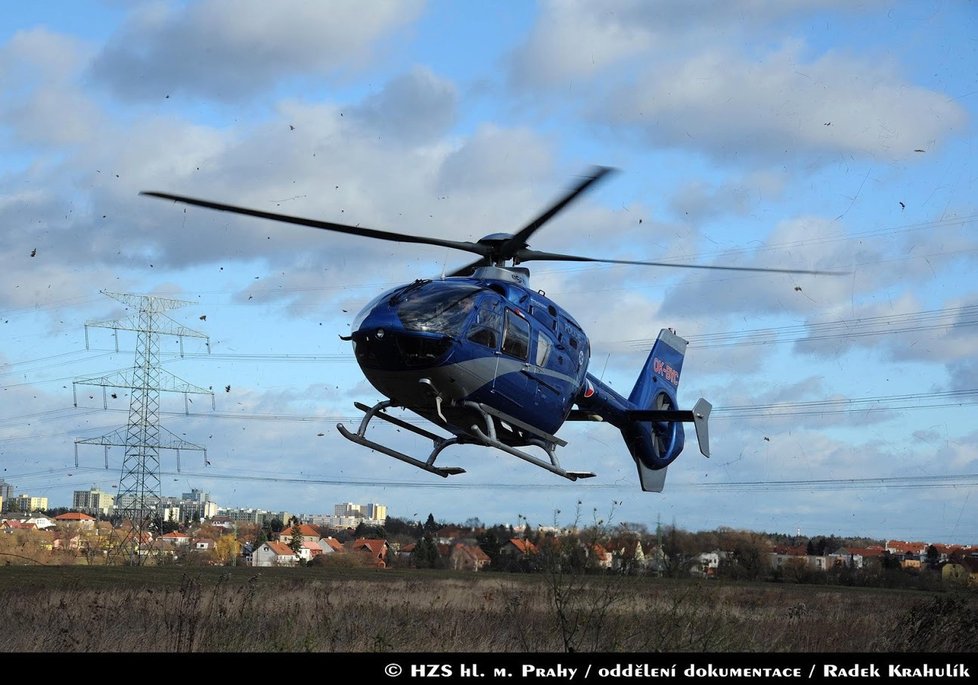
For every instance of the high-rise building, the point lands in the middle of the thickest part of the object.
(197, 505)
(350, 515)
(375, 512)
(94, 502)
(196, 495)
(28, 503)
(347, 509)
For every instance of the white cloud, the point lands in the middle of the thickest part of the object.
(732, 107)
(232, 49)
(413, 107)
(43, 102)
(576, 40)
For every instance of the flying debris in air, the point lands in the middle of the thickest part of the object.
(463, 350)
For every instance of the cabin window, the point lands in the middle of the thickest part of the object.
(485, 329)
(516, 336)
(544, 314)
(543, 349)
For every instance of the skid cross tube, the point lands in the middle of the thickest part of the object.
(545, 441)
(477, 435)
(377, 410)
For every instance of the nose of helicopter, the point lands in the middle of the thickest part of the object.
(382, 343)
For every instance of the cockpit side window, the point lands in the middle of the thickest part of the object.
(516, 336)
(486, 327)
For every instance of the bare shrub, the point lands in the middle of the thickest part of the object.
(941, 624)
(357, 610)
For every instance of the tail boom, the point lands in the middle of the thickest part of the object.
(648, 419)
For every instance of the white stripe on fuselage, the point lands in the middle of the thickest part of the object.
(459, 380)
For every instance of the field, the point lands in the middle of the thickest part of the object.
(235, 610)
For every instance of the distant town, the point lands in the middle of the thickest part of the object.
(194, 530)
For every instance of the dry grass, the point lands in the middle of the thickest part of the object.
(315, 610)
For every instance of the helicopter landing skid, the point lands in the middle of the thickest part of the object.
(377, 410)
(545, 441)
(486, 438)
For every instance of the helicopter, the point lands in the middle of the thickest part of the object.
(492, 362)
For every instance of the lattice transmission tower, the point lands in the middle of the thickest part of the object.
(139, 491)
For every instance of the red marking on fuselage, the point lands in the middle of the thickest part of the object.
(665, 370)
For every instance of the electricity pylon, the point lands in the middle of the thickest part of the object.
(139, 493)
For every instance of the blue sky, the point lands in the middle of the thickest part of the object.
(812, 135)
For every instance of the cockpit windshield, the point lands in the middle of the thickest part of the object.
(436, 307)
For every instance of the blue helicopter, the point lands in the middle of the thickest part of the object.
(481, 355)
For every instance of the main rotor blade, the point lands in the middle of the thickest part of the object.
(466, 246)
(519, 240)
(468, 269)
(534, 255)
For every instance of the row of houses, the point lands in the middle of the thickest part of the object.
(956, 563)
(909, 555)
(456, 549)
(310, 547)
(38, 521)
(456, 553)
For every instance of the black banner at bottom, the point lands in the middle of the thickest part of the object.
(483, 668)
(679, 668)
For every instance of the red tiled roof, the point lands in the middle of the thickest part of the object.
(474, 552)
(334, 543)
(524, 546)
(797, 551)
(375, 547)
(314, 549)
(74, 516)
(866, 552)
(280, 548)
(14, 524)
(305, 530)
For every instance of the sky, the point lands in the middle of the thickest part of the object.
(815, 134)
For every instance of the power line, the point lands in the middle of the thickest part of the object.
(917, 482)
(899, 482)
(845, 329)
(913, 401)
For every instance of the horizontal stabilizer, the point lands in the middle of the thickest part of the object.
(698, 416)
